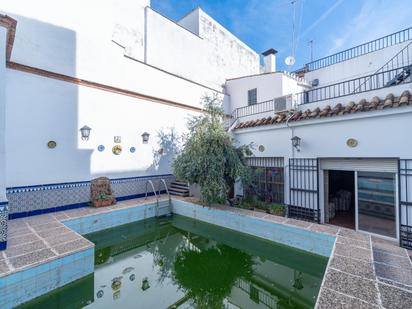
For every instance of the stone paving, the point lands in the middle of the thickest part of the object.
(40, 239)
(363, 271)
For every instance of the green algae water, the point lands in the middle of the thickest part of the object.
(179, 262)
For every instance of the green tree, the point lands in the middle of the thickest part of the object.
(209, 157)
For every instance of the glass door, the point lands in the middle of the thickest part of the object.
(377, 203)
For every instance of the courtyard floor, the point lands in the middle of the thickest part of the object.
(363, 271)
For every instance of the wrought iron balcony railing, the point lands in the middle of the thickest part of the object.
(363, 49)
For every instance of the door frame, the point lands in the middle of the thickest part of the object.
(355, 172)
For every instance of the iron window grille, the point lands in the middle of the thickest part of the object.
(267, 179)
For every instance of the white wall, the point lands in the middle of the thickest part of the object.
(356, 67)
(198, 48)
(79, 43)
(3, 43)
(91, 41)
(268, 85)
(191, 21)
(41, 109)
(382, 133)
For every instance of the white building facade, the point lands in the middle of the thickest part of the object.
(334, 144)
(121, 69)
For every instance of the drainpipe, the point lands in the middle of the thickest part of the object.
(292, 131)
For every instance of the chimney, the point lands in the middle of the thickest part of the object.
(269, 59)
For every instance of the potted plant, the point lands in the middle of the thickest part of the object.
(102, 200)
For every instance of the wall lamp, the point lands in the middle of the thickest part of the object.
(296, 142)
(145, 137)
(85, 132)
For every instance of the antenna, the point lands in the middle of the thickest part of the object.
(311, 50)
(290, 60)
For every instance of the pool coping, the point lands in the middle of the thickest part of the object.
(362, 271)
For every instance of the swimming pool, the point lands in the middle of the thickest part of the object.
(179, 262)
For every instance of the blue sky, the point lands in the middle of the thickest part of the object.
(333, 25)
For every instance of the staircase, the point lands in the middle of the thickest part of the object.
(179, 188)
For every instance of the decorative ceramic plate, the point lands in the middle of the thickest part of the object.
(100, 148)
(117, 150)
(51, 144)
(132, 149)
(351, 142)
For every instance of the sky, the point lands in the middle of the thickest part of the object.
(332, 25)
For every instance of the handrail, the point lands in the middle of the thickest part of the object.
(404, 61)
(354, 86)
(362, 49)
(165, 185)
(154, 192)
(153, 188)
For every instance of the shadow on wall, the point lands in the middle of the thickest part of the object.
(42, 109)
(169, 143)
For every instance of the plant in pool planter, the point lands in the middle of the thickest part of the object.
(209, 157)
(276, 209)
(252, 202)
(208, 276)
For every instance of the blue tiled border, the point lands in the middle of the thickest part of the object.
(72, 206)
(3, 245)
(296, 237)
(73, 184)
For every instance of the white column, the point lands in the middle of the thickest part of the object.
(3, 199)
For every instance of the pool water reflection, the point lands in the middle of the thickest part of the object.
(178, 262)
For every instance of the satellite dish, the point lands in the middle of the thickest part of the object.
(290, 60)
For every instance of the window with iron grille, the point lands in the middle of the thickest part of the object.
(252, 96)
(267, 179)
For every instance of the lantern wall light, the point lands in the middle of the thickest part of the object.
(85, 132)
(145, 137)
(296, 142)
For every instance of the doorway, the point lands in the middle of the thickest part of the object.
(341, 198)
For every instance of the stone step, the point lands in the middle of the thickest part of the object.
(182, 190)
(179, 193)
(180, 183)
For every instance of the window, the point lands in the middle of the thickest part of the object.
(252, 96)
(267, 179)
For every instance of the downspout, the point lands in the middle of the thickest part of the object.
(292, 131)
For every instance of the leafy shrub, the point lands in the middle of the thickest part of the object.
(209, 157)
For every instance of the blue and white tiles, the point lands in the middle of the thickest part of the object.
(39, 199)
(4, 214)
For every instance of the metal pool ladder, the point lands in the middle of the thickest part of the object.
(154, 192)
(167, 191)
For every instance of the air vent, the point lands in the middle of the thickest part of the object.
(315, 82)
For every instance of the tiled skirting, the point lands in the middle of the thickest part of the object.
(4, 213)
(41, 199)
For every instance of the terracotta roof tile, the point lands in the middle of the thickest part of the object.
(375, 103)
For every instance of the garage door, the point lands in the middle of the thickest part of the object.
(364, 165)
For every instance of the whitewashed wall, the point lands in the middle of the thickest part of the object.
(3, 42)
(41, 109)
(268, 85)
(356, 67)
(78, 43)
(198, 48)
(382, 133)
